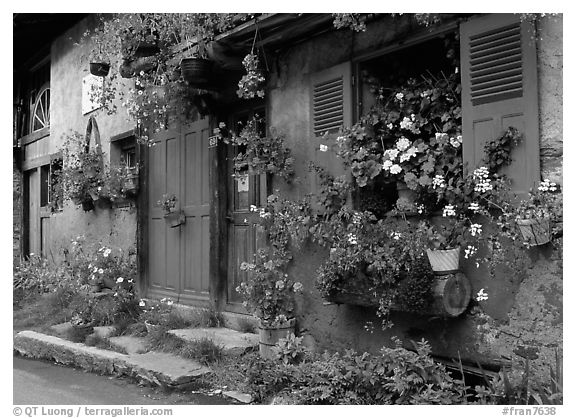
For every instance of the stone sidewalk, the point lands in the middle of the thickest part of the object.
(157, 368)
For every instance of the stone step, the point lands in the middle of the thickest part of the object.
(157, 368)
(132, 345)
(233, 342)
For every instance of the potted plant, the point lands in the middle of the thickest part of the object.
(155, 315)
(251, 84)
(445, 239)
(269, 294)
(535, 214)
(83, 175)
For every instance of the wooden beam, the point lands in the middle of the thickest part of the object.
(35, 136)
(36, 162)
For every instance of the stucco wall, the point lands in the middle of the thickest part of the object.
(550, 62)
(69, 65)
(521, 311)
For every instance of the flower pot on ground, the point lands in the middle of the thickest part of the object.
(100, 69)
(535, 231)
(444, 261)
(196, 71)
(270, 334)
(151, 327)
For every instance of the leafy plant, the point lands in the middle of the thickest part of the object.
(258, 153)
(498, 151)
(251, 84)
(290, 350)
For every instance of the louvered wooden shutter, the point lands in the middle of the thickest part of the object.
(330, 110)
(499, 90)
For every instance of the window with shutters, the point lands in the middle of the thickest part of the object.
(500, 90)
(406, 95)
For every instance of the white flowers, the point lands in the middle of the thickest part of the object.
(448, 211)
(481, 295)
(352, 239)
(101, 271)
(474, 207)
(142, 303)
(475, 229)
(406, 123)
(297, 287)
(119, 279)
(438, 182)
(399, 96)
(456, 142)
(396, 235)
(470, 251)
(547, 186)
(323, 147)
(390, 126)
(410, 152)
(107, 252)
(483, 184)
(391, 154)
(395, 169)
(279, 284)
(403, 143)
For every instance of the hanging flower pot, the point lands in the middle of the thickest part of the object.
(271, 334)
(535, 231)
(100, 69)
(130, 184)
(444, 261)
(196, 71)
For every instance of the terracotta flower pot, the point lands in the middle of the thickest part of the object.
(150, 327)
(535, 231)
(444, 261)
(270, 335)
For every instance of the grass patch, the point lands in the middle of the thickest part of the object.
(41, 312)
(94, 340)
(203, 350)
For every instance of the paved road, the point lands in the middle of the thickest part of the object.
(43, 383)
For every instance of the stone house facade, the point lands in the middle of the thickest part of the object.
(197, 263)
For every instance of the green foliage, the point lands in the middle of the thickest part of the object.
(259, 153)
(290, 350)
(498, 151)
(395, 376)
(411, 135)
(203, 350)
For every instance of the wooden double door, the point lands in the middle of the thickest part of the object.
(178, 250)
(179, 257)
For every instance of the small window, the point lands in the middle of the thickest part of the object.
(128, 157)
(41, 110)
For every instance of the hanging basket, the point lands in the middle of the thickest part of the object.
(444, 261)
(100, 69)
(535, 231)
(196, 71)
(270, 335)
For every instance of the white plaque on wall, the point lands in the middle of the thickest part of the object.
(92, 93)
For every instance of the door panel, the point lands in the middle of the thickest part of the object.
(179, 255)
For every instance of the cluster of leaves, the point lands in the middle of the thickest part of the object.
(84, 177)
(153, 40)
(498, 151)
(394, 377)
(510, 388)
(156, 313)
(267, 290)
(258, 153)
(371, 256)
(412, 135)
(251, 84)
